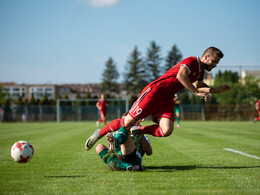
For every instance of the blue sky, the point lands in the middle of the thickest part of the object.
(69, 41)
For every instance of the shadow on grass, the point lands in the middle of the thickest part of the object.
(64, 176)
(169, 168)
(191, 167)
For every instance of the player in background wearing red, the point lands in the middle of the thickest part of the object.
(257, 107)
(156, 99)
(102, 105)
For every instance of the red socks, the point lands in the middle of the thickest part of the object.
(153, 130)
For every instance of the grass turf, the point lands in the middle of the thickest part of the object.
(191, 160)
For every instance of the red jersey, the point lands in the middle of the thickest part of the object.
(103, 104)
(258, 104)
(169, 84)
(157, 97)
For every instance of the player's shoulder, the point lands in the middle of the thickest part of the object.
(190, 60)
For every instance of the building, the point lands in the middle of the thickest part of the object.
(253, 73)
(27, 91)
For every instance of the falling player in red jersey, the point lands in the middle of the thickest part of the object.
(257, 107)
(102, 105)
(156, 99)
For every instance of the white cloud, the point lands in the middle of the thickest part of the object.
(100, 3)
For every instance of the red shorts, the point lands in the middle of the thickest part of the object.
(103, 113)
(152, 102)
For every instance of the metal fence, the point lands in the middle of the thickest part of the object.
(90, 113)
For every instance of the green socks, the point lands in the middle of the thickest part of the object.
(113, 161)
(121, 136)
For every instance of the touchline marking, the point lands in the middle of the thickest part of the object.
(242, 153)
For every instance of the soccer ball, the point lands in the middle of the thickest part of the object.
(22, 151)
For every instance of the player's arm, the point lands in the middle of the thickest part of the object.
(146, 146)
(183, 77)
(98, 106)
(203, 87)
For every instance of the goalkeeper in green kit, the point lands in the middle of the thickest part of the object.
(125, 150)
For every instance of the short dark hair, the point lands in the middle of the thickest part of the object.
(212, 50)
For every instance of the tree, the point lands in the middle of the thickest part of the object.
(174, 56)
(32, 100)
(244, 91)
(110, 76)
(45, 100)
(3, 96)
(152, 62)
(134, 73)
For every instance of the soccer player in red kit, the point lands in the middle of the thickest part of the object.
(102, 105)
(257, 107)
(156, 99)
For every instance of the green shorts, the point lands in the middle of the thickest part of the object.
(177, 109)
(134, 158)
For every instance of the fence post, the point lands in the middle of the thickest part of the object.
(58, 111)
(203, 113)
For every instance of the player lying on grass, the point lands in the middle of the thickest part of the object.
(125, 151)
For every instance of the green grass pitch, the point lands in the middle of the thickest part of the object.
(192, 160)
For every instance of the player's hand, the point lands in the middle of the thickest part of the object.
(207, 97)
(223, 88)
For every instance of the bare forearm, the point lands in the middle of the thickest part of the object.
(207, 89)
(185, 81)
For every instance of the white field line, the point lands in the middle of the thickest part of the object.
(242, 153)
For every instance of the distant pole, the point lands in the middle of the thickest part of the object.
(127, 105)
(58, 110)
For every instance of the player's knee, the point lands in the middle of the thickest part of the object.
(167, 131)
(129, 121)
(100, 147)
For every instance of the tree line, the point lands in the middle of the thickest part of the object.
(139, 71)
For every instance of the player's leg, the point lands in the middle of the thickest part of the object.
(99, 133)
(111, 159)
(128, 150)
(128, 146)
(258, 118)
(165, 128)
(104, 117)
(129, 153)
(129, 121)
(177, 113)
(100, 119)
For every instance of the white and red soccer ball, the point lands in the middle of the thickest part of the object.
(22, 151)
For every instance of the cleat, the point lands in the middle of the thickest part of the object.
(111, 140)
(97, 124)
(178, 126)
(135, 168)
(92, 139)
